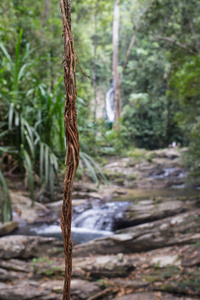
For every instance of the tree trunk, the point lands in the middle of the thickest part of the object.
(72, 140)
(115, 61)
(45, 13)
(95, 71)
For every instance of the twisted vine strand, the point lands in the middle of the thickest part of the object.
(72, 140)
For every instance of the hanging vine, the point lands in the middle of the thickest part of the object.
(72, 140)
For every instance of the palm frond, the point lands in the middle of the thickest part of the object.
(93, 167)
(5, 202)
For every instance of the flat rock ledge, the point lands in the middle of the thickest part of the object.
(153, 296)
(19, 246)
(171, 273)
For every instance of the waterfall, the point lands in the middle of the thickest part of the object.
(109, 104)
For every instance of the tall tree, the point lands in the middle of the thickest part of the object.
(45, 12)
(95, 57)
(115, 61)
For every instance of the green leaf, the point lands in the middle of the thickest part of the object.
(29, 172)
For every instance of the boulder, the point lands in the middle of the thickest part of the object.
(8, 227)
(149, 210)
(22, 205)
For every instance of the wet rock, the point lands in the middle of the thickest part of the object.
(28, 246)
(179, 230)
(108, 266)
(8, 227)
(146, 211)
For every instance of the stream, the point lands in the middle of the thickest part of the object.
(95, 220)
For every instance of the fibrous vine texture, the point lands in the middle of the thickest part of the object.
(72, 140)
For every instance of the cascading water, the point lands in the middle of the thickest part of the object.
(101, 218)
(90, 220)
(109, 104)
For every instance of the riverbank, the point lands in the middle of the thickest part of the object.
(151, 249)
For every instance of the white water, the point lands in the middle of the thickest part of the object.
(174, 171)
(101, 218)
(79, 235)
(110, 110)
(56, 229)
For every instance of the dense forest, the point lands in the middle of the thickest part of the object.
(159, 74)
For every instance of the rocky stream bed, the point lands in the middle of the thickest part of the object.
(148, 245)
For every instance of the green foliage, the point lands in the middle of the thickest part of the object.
(148, 121)
(185, 83)
(21, 129)
(32, 125)
(173, 27)
(160, 94)
(117, 140)
(5, 202)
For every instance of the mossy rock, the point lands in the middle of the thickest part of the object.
(113, 175)
(132, 177)
(119, 181)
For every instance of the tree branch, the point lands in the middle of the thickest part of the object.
(132, 42)
(168, 39)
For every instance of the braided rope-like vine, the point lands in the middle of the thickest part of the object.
(72, 140)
